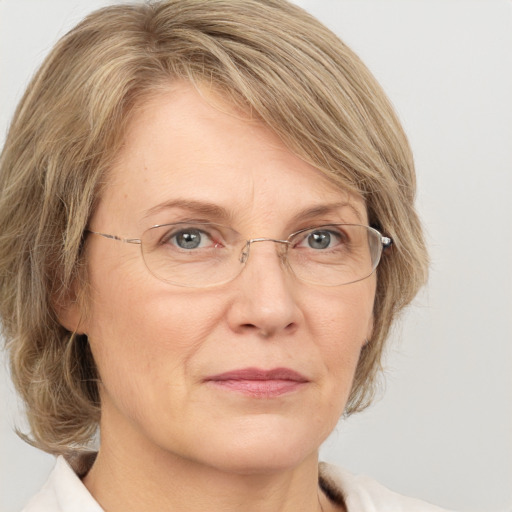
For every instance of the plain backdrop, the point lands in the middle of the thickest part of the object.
(442, 430)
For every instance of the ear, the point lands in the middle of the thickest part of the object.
(69, 311)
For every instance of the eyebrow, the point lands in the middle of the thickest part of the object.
(318, 211)
(196, 207)
(220, 213)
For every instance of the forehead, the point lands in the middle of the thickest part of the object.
(188, 146)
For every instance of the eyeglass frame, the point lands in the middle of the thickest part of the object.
(385, 241)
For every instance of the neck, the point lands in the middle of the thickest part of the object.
(127, 479)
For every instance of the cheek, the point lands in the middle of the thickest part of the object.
(145, 327)
(143, 334)
(340, 323)
(344, 316)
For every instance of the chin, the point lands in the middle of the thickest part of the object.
(254, 446)
(260, 461)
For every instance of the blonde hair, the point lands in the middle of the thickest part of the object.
(266, 56)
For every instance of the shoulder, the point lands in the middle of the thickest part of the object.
(62, 492)
(363, 494)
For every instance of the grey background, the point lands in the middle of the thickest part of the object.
(442, 431)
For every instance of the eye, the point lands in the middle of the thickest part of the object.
(322, 239)
(190, 238)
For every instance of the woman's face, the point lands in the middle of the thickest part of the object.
(180, 366)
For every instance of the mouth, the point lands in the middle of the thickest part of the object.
(258, 383)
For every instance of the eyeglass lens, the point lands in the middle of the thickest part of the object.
(205, 254)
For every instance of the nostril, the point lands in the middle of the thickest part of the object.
(259, 331)
(268, 332)
(290, 328)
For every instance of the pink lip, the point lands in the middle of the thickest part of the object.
(259, 383)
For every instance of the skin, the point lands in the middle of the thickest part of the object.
(170, 440)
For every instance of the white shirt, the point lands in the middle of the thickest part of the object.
(65, 492)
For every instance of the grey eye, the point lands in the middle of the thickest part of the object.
(319, 239)
(189, 239)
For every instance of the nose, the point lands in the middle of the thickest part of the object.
(266, 299)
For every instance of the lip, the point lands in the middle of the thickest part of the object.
(258, 383)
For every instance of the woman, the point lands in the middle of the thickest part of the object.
(194, 200)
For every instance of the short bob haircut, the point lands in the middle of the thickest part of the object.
(267, 57)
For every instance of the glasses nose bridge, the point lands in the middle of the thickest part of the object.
(247, 248)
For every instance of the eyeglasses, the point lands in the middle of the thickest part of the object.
(198, 254)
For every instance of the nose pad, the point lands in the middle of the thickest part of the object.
(282, 249)
(244, 255)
